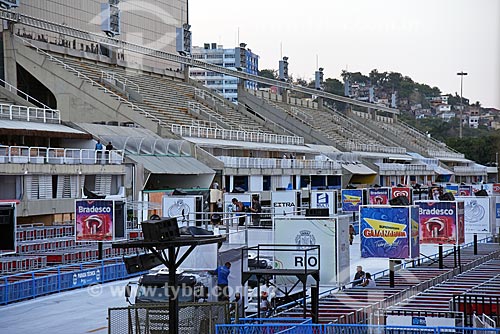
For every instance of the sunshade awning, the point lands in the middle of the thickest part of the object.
(40, 129)
(157, 164)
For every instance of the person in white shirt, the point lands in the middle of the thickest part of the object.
(368, 282)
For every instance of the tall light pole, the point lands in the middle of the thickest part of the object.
(461, 74)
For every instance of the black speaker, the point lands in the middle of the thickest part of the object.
(143, 262)
(120, 220)
(481, 193)
(400, 200)
(160, 230)
(317, 212)
(446, 197)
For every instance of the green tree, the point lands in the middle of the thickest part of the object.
(268, 73)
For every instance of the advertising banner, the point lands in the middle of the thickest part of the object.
(452, 188)
(496, 189)
(477, 214)
(306, 232)
(378, 196)
(324, 199)
(497, 210)
(415, 232)
(87, 277)
(385, 231)
(94, 220)
(441, 222)
(465, 191)
(352, 199)
(401, 191)
(182, 207)
(284, 203)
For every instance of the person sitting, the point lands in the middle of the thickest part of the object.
(368, 282)
(358, 277)
(265, 305)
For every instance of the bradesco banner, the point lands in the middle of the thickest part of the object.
(441, 222)
(324, 200)
(352, 199)
(94, 220)
(477, 214)
(465, 191)
(378, 196)
(386, 232)
(401, 191)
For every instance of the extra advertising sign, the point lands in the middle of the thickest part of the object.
(352, 199)
(284, 203)
(325, 200)
(388, 232)
(182, 207)
(303, 233)
(477, 214)
(441, 222)
(401, 191)
(464, 191)
(378, 196)
(94, 220)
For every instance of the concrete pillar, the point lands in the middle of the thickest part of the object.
(9, 61)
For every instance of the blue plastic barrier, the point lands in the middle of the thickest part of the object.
(56, 279)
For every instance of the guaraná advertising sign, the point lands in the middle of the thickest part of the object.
(94, 220)
(352, 199)
(389, 232)
(441, 222)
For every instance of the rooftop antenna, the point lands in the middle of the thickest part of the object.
(238, 41)
(317, 63)
(281, 50)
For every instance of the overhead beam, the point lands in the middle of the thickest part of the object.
(113, 42)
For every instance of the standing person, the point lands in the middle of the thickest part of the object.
(352, 232)
(239, 208)
(239, 305)
(99, 148)
(109, 148)
(256, 209)
(358, 277)
(368, 282)
(220, 206)
(222, 273)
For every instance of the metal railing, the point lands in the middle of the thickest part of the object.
(247, 162)
(404, 167)
(294, 328)
(24, 95)
(199, 318)
(445, 154)
(93, 82)
(61, 278)
(374, 148)
(23, 113)
(227, 134)
(49, 155)
(124, 82)
(470, 169)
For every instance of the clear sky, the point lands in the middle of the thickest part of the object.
(427, 40)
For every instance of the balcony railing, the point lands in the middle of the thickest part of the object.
(375, 148)
(405, 167)
(244, 162)
(49, 155)
(23, 113)
(445, 154)
(470, 169)
(226, 134)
